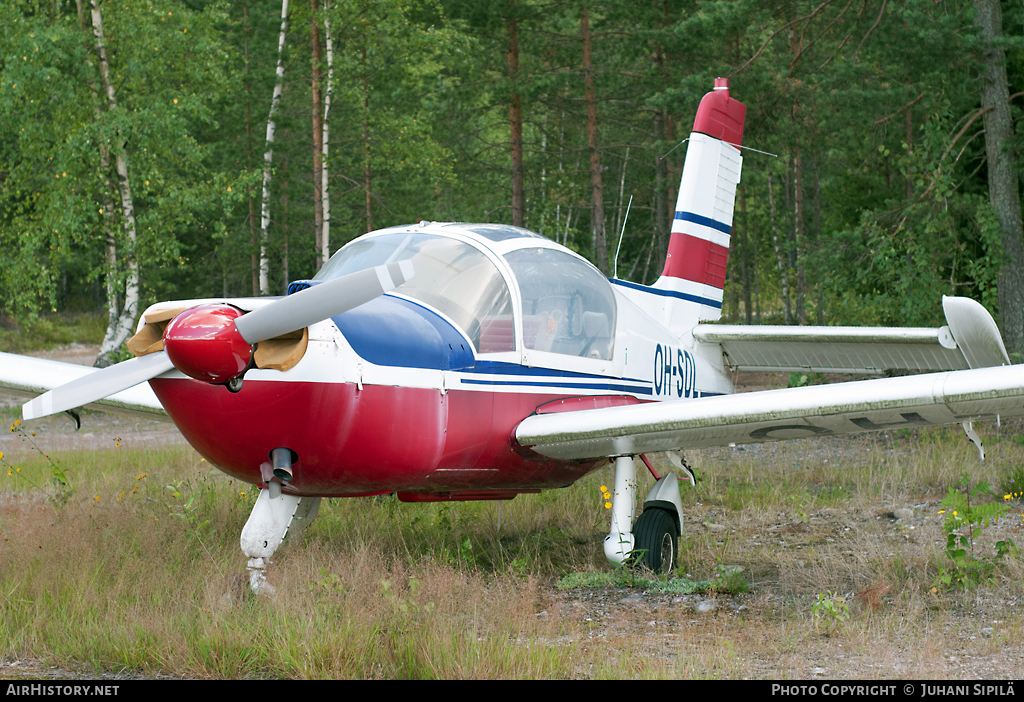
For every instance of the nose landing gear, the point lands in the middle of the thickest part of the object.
(275, 516)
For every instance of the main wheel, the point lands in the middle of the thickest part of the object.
(655, 543)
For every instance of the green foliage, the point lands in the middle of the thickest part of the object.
(167, 66)
(729, 579)
(966, 517)
(408, 602)
(799, 380)
(187, 507)
(57, 489)
(50, 330)
(830, 612)
(877, 129)
(888, 268)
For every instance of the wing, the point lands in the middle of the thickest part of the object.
(970, 341)
(770, 415)
(28, 377)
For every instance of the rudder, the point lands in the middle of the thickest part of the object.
(692, 283)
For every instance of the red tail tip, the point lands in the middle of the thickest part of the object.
(720, 116)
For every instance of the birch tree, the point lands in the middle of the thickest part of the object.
(268, 156)
(318, 136)
(325, 244)
(121, 318)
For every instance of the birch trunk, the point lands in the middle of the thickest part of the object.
(109, 235)
(268, 156)
(318, 136)
(121, 327)
(325, 250)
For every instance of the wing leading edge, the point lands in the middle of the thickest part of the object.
(29, 377)
(771, 415)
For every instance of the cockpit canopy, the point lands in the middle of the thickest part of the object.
(568, 306)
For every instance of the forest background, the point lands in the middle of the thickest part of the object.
(160, 149)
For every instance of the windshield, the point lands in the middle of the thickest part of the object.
(452, 277)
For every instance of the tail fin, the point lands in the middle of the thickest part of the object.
(694, 275)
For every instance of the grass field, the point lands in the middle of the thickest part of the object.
(793, 565)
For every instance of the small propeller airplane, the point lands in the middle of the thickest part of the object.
(454, 361)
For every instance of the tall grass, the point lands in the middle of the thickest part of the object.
(126, 575)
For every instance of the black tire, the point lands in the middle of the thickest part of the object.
(655, 542)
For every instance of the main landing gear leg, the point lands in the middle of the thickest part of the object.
(619, 542)
(274, 517)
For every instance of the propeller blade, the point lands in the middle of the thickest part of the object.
(322, 301)
(97, 385)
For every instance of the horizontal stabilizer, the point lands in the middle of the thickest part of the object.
(971, 340)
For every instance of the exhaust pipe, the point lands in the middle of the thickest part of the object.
(282, 460)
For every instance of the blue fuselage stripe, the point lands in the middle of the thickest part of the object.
(704, 221)
(669, 293)
(506, 368)
(581, 386)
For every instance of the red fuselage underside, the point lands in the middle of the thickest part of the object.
(357, 442)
